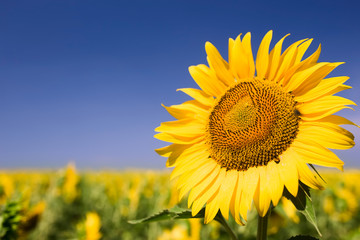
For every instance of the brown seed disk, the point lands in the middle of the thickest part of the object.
(251, 124)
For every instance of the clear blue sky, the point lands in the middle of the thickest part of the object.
(83, 80)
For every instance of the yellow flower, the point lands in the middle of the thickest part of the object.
(214, 229)
(178, 232)
(174, 196)
(195, 227)
(345, 213)
(276, 221)
(71, 179)
(290, 210)
(31, 219)
(329, 205)
(92, 226)
(135, 193)
(35, 211)
(6, 187)
(246, 136)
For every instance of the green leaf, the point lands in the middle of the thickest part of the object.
(309, 213)
(181, 213)
(10, 218)
(169, 214)
(304, 205)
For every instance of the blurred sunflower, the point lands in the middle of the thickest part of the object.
(89, 229)
(71, 180)
(246, 136)
(6, 187)
(178, 232)
(342, 205)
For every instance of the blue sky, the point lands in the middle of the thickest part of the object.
(83, 81)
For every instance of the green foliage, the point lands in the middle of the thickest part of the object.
(170, 214)
(118, 197)
(302, 237)
(2, 191)
(10, 218)
(303, 204)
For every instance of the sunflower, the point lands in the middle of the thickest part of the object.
(246, 136)
(89, 229)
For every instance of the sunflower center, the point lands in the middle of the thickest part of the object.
(252, 124)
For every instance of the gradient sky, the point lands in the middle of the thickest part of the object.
(83, 81)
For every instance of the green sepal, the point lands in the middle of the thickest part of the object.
(170, 214)
(303, 204)
(182, 213)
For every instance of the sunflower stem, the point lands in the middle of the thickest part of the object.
(223, 222)
(262, 226)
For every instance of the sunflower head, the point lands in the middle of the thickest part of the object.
(254, 126)
(251, 125)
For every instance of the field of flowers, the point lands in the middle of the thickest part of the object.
(67, 204)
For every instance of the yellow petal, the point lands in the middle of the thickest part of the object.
(319, 115)
(301, 76)
(206, 193)
(262, 58)
(298, 67)
(166, 151)
(181, 153)
(189, 160)
(172, 151)
(274, 185)
(251, 179)
(305, 174)
(236, 205)
(190, 179)
(313, 58)
(246, 43)
(327, 135)
(314, 79)
(240, 61)
(288, 172)
(287, 60)
(166, 137)
(183, 127)
(275, 59)
(293, 46)
(301, 50)
(212, 208)
(199, 95)
(226, 192)
(212, 205)
(230, 47)
(340, 88)
(202, 188)
(325, 86)
(262, 197)
(232, 200)
(323, 104)
(220, 66)
(189, 109)
(207, 80)
(338, 120)
(313, 153)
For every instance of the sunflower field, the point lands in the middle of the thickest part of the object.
(93, 205)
